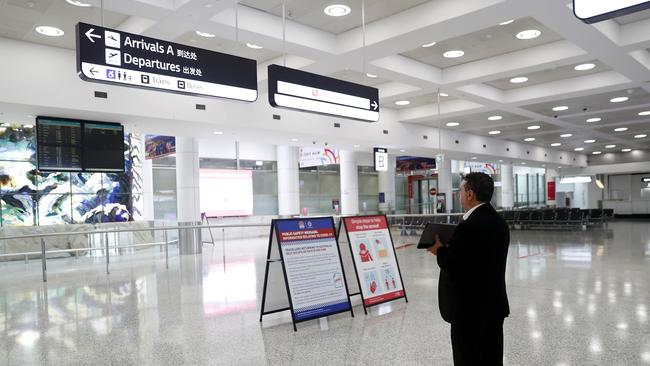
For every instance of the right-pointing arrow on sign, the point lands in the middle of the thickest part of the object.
(91, 35)
(374, 105)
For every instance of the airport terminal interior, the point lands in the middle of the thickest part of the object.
(246, 182)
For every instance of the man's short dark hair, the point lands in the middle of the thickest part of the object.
(481, 184)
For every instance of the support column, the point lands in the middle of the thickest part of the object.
(507, 187)
(349, 183)
(550, 176)
(147, 187)
(386, 182)
(288, 181)
(445, 183)
(188, 202)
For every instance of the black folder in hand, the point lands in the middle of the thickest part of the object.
(428, 238)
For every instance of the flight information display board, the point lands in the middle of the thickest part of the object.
(103, 147)
(59, 144)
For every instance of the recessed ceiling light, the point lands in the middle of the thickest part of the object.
(519, 80)
(452, 124)
(610, 146)
(529, 34)
(494, 118)
(579, 149)
(473, 157)
(337, 10)
(555, 144)
(534, 127)
(254, 46)
(595, 119)
(641, 136)
(644, 113)
(597, 152)
(619, 99)
(402, 102)
(294, 139)
(584, 67)
(49, 31)
(529, 139)
(453, 54)
(218, 133)
(205, 34)
(589, 141)
(444, 94)
(523, 163)
(566, 135)
(560, 108)
(429, 44)
(620, 129)
(626, 150)
(28, 126)
(507, 22)
(77, 3)
(402, 150)
(371, 75)
(357, 146)
(495, 132)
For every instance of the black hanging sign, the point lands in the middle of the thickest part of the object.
(304, 91)
(591, 11)
(110, 56)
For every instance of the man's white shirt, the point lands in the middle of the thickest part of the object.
(469, 212)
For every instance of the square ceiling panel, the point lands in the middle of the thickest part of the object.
(634, 17)
(547, 76)
(421, 100)
(481, 120)
(227, 46)
(592, 103)
(517, 132)
(19, 19)
(311, 12)
(358, 78)
(483, 44)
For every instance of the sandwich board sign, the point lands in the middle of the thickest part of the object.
(311, 273)
(111, 56)
(375, 263)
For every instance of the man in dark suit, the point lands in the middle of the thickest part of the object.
(472, 287)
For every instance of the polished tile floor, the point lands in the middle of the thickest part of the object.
(577, 298)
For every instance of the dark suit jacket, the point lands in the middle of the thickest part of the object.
(472, 286)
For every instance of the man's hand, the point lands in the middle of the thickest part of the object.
(434, 249)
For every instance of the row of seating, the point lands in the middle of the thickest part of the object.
(556, 217)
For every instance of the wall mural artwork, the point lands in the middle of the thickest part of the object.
(29, 197)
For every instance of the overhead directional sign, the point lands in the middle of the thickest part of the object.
(592, 11)
(300, 90)
(111, 56)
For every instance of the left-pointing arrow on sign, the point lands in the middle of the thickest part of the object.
(93, 71)
(91, 35)
(374, 105)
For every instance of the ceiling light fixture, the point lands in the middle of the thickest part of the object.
(534, 127)
(429, 44)
(254, 46)
(473, 157)
(337, 10)
(357, 146)
(402, 150)
(519, 80)
(294, 139)
(626, 150)
(28, 126)
(619, 99)
(579, 149)
(556, 144)
(507, 22)
(444, 94)
(589, 141)
(610, 146)
(371, 75)
(584, 67)
(77, 3)
(452, 124)
(641, 136)
(644, 113)
(49, 31)
(596, 152)
(204, 34)
(218, 133)
(560, 108)
(529, 139)
(620, 129)
(453, 54)
(529, 34)
(595, 119)
(566, 135)
(495, 132)
(402, 102)
(494, 118)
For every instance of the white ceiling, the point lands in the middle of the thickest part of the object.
(478, 83)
